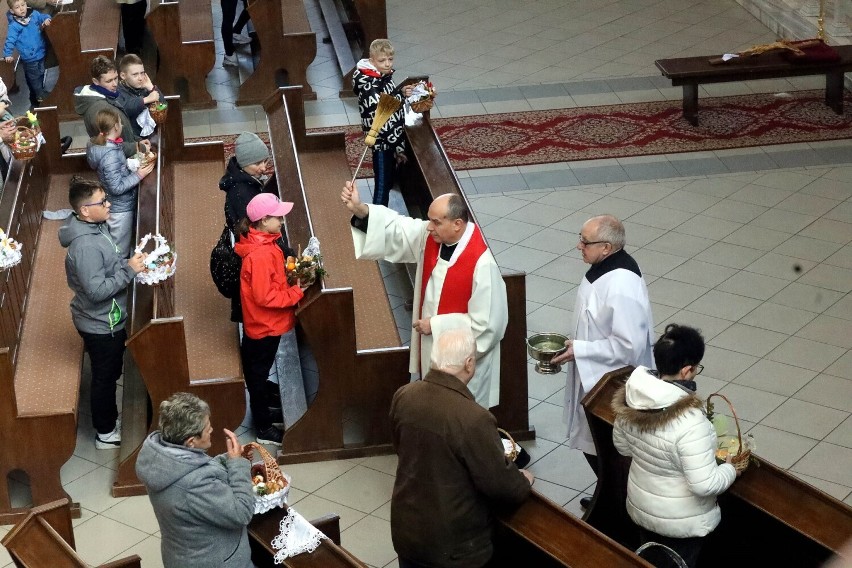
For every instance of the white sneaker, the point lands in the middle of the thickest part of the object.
(242, 39)
(230, 60)
(109, 441)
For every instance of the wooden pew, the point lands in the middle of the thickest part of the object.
(359, 369)
(79, 33)
(45, 537)
(263, 528)
(689, 72)
(427, 175)
(353, 22)
(540, 533)
(183, 33)
(181, 337)
(769, 517)
(287, 48)
(38, 387)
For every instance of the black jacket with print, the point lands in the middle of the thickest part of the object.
(368, 85)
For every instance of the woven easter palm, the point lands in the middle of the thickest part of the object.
(741, 460)
(273, 472)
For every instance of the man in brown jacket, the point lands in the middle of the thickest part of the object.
(452, 468)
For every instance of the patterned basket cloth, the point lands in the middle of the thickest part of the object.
(741, 460)
(269, 473)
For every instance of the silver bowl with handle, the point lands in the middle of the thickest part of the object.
(545, 346)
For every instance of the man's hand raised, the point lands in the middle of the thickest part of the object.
(352, 200)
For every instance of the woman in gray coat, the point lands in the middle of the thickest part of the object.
(203, 504)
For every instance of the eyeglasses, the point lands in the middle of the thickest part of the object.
(101, 203)
(586, 243)
(698, 369)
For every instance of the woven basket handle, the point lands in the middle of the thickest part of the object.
(734, 412)
(509, 437)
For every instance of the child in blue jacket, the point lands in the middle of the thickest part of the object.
(25, 34)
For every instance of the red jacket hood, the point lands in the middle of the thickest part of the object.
(249, 243)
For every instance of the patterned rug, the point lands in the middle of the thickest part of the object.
(616, 131)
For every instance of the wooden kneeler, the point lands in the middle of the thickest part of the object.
(46, 538)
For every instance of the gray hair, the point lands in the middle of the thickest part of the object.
(182, 416)
(452, 348)
(457, 208)
(611, 230)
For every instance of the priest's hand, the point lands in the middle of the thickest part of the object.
(423, 326)
(567, 356)
(352, 200)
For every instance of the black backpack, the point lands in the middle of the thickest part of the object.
(225, 266)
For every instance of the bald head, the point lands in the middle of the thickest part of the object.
(608, 228)
(454, 352)
(448, 218)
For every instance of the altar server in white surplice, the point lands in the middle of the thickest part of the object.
(458, 283)
(612, 325)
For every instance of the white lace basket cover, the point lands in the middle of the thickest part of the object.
(297, 536)
(264, 503)
(10, 251)
(155, 272)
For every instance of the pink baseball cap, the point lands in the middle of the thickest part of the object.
(267, 204)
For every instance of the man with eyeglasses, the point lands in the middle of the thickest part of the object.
(612, 325)
(98, 276)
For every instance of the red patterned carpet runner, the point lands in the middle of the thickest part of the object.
(615, 131)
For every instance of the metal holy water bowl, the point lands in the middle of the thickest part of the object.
(545, 346)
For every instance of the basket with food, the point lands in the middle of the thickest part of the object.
(25, 143)
(306, 266)
(729, 447)
(160, 263)
(145, 156)
(10, 251)
(271, 485)
(159, 111)
(422, 97)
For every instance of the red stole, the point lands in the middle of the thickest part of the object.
(458, 284)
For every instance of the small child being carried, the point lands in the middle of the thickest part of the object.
(105, 154)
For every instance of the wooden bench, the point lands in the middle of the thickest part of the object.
(40, 351)
(690, 72)
(80, 32)
(287, 48)
(263, 528)
(353, 22)
(183, 33)
(769, 517)
(181, 337)
(45, 537)
(427, 175)
(347, 320)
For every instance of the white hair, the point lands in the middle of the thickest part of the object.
(452, 348)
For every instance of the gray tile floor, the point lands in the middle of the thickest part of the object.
(753, 246)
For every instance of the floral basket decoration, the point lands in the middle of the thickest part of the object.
(739, 452)
(10, 251)
(271, 486)
(159, 111)
(160, 263)
(307, 266)
(422, 97)
(28, 137)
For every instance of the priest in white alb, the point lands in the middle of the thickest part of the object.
(612, 325)
(457, 285)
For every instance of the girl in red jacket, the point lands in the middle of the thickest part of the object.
(269, 303)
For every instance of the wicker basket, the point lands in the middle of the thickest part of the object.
(159, 115)
(424, 105)
(272, 472)
(513, 453)
(144, 158)
(741, 460)
(28, 150)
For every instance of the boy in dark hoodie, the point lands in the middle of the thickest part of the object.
(26, 35)
(139, 91)
(371, 78)
(99, 277)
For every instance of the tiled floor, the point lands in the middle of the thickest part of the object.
(753, 246)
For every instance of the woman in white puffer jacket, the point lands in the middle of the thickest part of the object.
(661, 424)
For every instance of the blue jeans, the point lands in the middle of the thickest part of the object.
(34, 74)
(384, 170)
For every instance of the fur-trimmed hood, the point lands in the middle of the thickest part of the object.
(648, 403)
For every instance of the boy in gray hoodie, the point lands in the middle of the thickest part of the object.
(99, 277)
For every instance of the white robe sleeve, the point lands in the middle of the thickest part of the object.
(390, 236)
(625, 345)
(488, 311)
